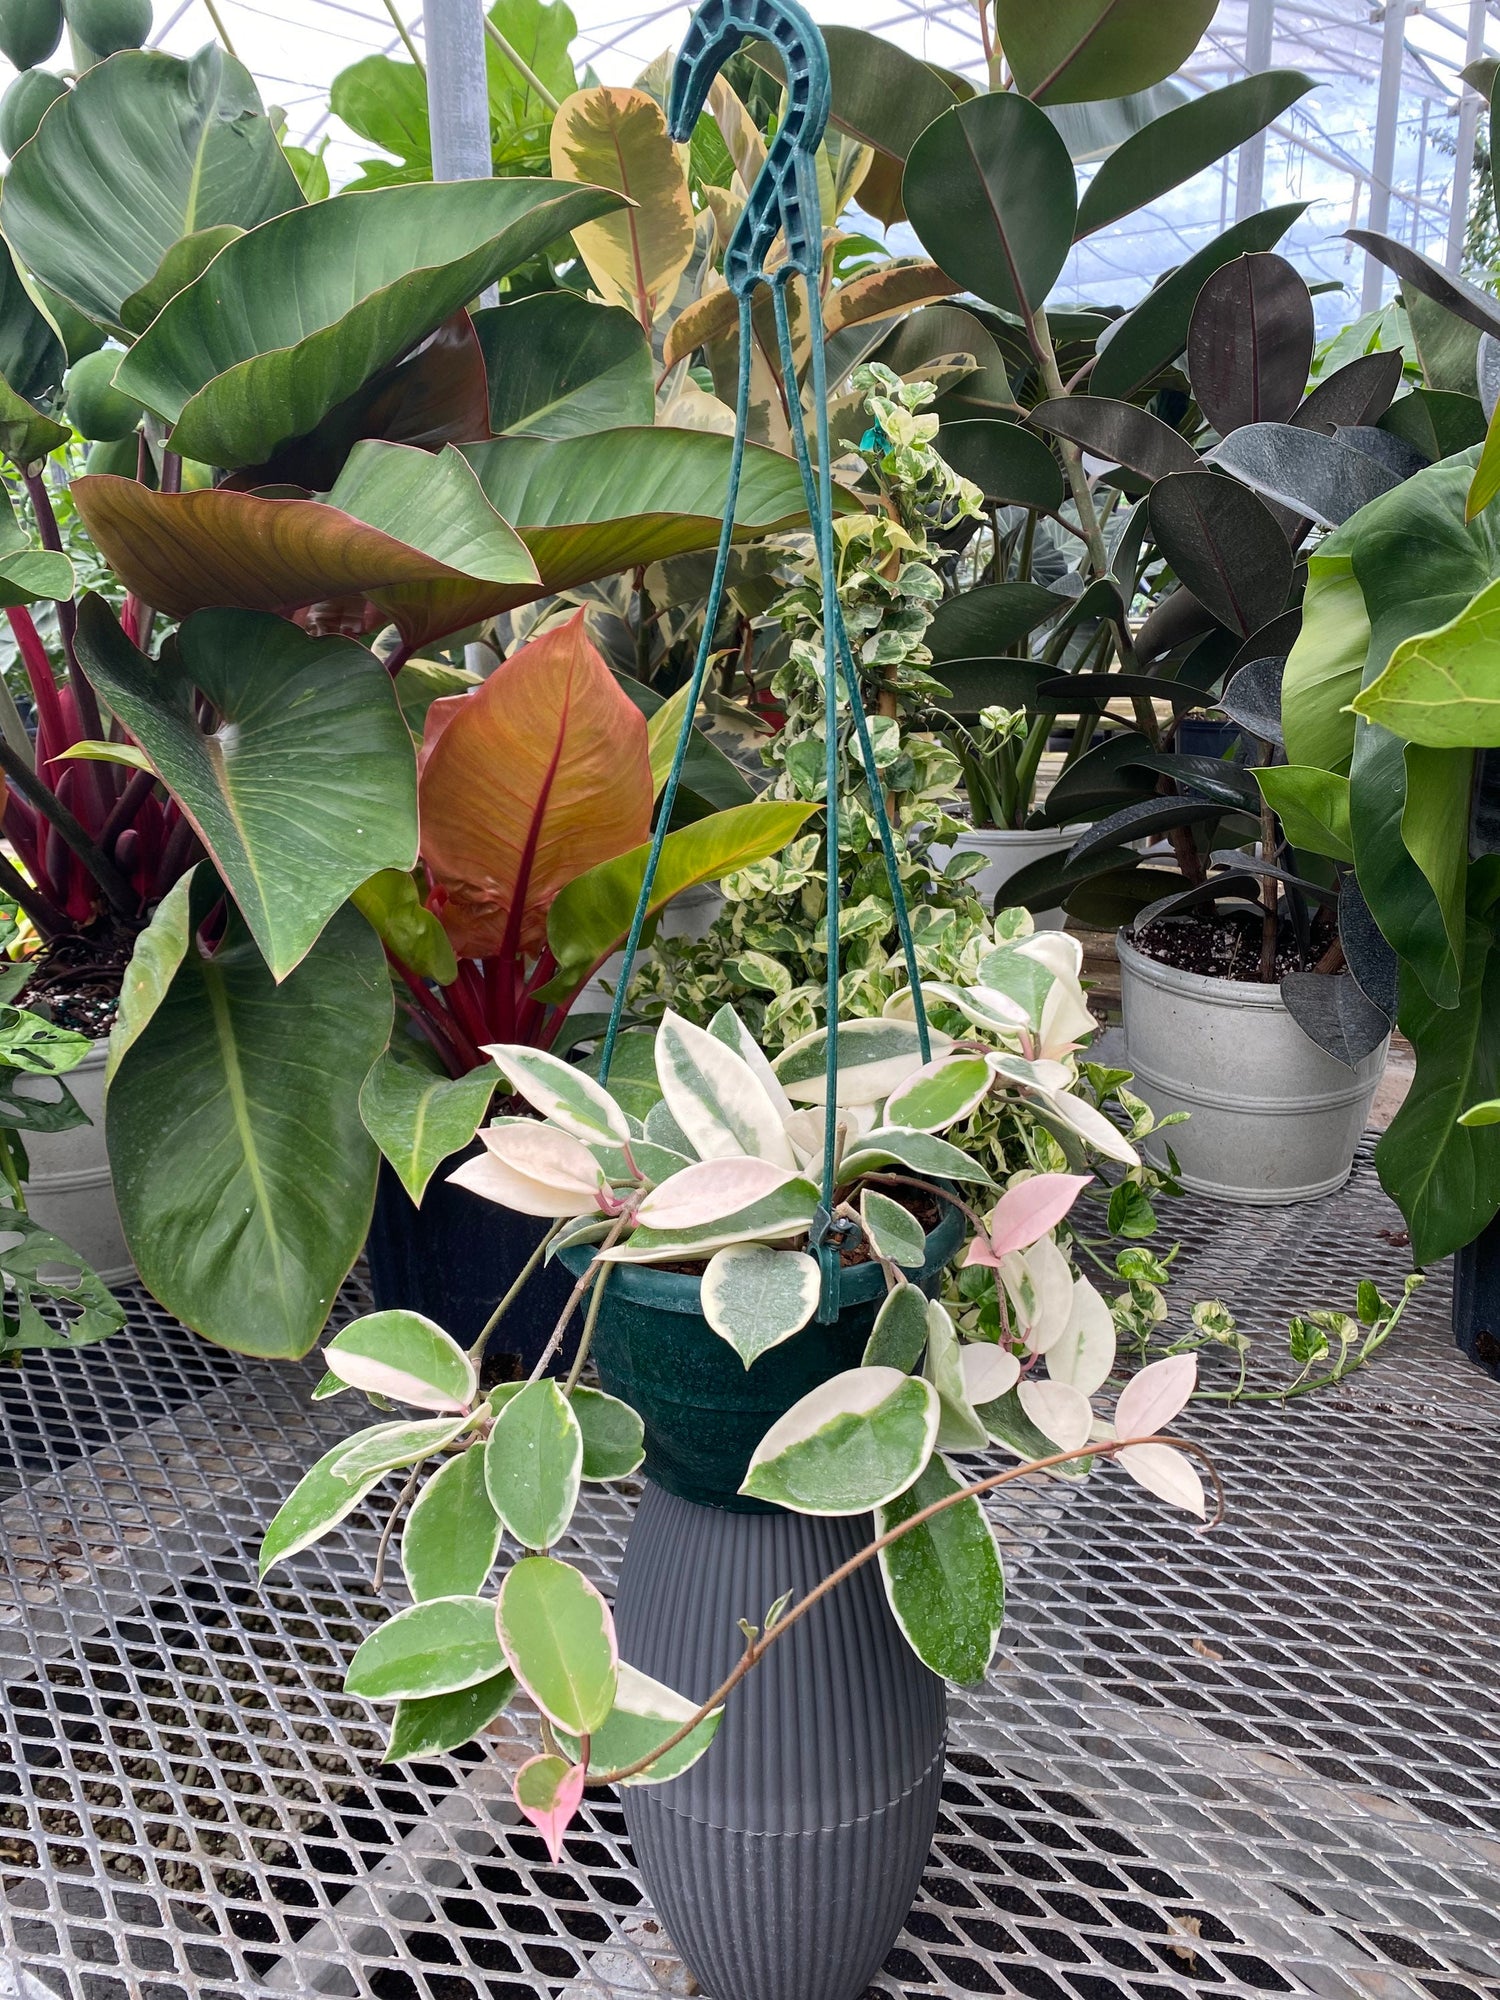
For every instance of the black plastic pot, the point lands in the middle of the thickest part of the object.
(703, 1410)
(455, 1257)
(784, 1862)
(1476, 1298)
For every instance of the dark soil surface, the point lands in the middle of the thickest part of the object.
(76, 981)
(1225, 947)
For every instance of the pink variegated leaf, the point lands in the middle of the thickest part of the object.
(549, 1792)
(1150, 1400)
(1026, 1212)
(1058, 1410)
(710, 1189)
(1168, 1473)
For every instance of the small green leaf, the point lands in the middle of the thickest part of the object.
(532, 1464)
(900, 1331)
(645, 1714)
(853, 1443)
(560, 1641)
(1130, 1212)
(428, 1725)
(755, 1297)
(419, 1117)
(1313, 807)
(960, 1427)
(318, 1502)
(1487, 1113)
(438, 1647)
(1371, 1306)
(406, 1357)
(944, 1579)
(942, 1093)
(613, 1435)
(391, 906)
(389, 1446)
(893, 1230)
(452, 1535)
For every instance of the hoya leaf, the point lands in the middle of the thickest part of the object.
(944, 1580)
(705, 1191)
(429, 1725)
(894, 1231)
(549, 1792)
(389, 1446)
(900, 1331)
(613, 1436)
(318, 1502)
(403, 1356)
(1150, 1400)
(645, 1714)
(1168, 1473)
(1059, 1411)
(960, 1428)
(560, 1092)
(452, 1534)
(786, 1212)
(438, 1647)
(532, 1464)
(851, 1444)
(1085, 1353)
(755, 1296)
(875, 1058)
(940, 1093)
(921, 1151)
(716, 1098)
(559, 1638)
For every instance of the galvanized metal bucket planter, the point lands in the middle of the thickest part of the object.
(70, 1190)
(1007, 850)
(1274, 1118)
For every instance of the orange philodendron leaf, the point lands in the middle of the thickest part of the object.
(539, 773)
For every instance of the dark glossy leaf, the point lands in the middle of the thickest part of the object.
(1085, 694)
(559, 365)
(307, 783)
(294, 317)
(1455, 295)
(1446, 1176)
(1369, 958)
(989, 189)
(1447, 346)
(1226, 888)
(1271, 642)
(1093, 132)
(1155, 332)
(938, 333)
(1218, 778)
(1358, 393)
(32, 359)
(1436, 421)
(1386, 447)
(1113, 900)
(145, 149)
(1330, 1010)
(1089, 49)
(1147, 816)
(1252, 698)
(1304, 470)
(986, 621)
(1102, 778)
(1172, 148)
(1174, 620)
(984, 683)
(246, 1223)
(1118, 432)
(1008, 463)
(1045, 884)
(1225, 546)
(1268, 871)
(1250, 342)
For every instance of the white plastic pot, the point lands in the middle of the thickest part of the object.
(1006, 851)
(1273, 1117)
(69, 1190)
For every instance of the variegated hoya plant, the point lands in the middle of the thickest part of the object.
(720, 1164)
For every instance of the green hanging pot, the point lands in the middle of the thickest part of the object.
(703, 1410)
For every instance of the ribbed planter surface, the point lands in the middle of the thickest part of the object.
(782, 1864)
(70, 1190)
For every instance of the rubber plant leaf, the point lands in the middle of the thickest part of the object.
(1250, 342)
(144, 150)
(1077, 51)
(559, 365)
(291, 319)
(539, 773)
(306, 784)
(247, 1224)
(591, 915)
(618, 139)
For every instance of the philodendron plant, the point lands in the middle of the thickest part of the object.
(722, 1171)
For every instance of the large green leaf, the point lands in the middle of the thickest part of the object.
(305, 786)
(1441, 688)
(592, 506)
(591, 915)
(1154, 334)
(144, 149)
(1173, 148)
(1327, 660)
(1075, 51)
(32, 358)
(398, 520)
(944, 1579)
(244, 1177)
(990, 192)
(419, 1117)
(1445, 1176)
(292, 318)
(559, 365)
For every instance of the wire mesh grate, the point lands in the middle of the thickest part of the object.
(1262, 1761)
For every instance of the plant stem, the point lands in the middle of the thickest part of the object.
(400, 26)
(43, 912)
(67, 610)
(592, 1270)
(219, 29)
(377, 1581)
(1269, 841)
(586, 1338)
(756, 1650)
(481, 1340)
(523, 69)
(50, 806)
(1374, 1340)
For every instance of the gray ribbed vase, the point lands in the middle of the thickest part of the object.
(784, 1862)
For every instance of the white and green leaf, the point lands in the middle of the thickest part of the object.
(900, 1331)
(429, 1725)
(560, 1091)
(318, 1502)
(940, 1093)
(787, 1212)
(960, 1428)
(559, 1639)
(452, 1534)
(646, 1713)
(708, 1190)
(388, 1447)
(727, 1027)
(922, 1152)
(716, 1097)
(404, 1356)
(944, 1580)
(875, 1057)
(755, 1296)
(1084, 1353)
(894, 1232)
(533, 1461)
(851, 1444)
(438, 1647)
(613, 1436)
